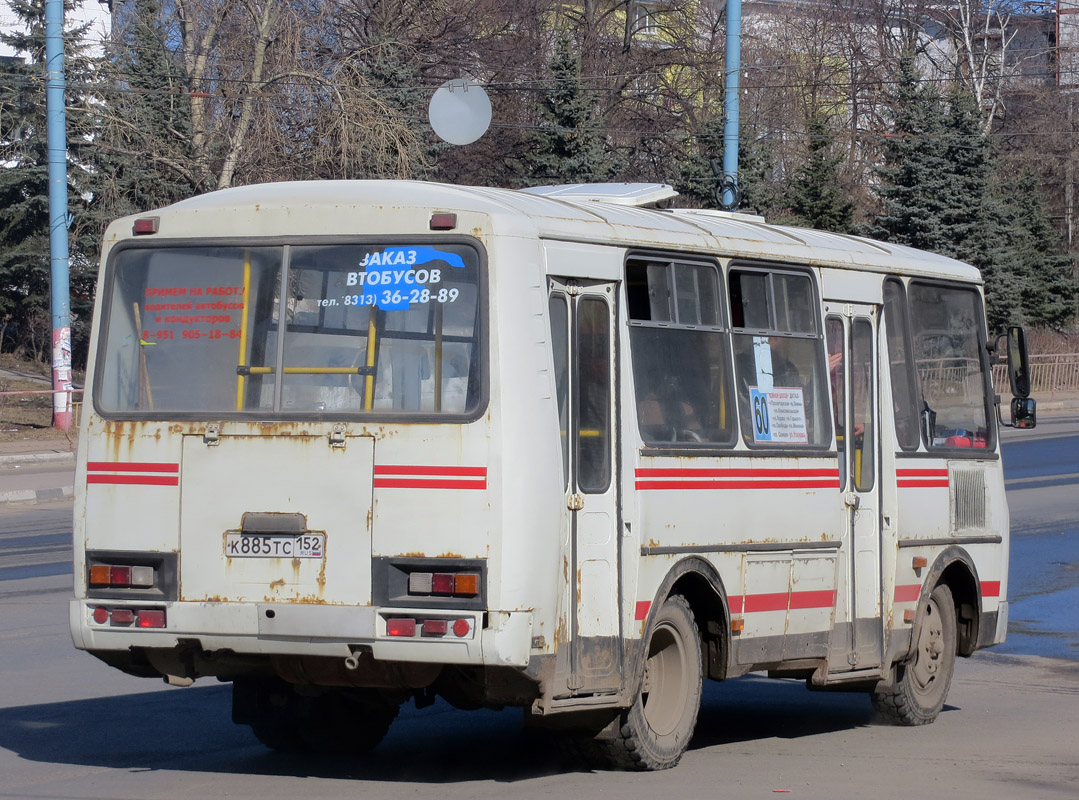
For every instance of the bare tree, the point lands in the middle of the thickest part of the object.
(982, 47)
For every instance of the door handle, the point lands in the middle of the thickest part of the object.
(575, 502)
(852, 500)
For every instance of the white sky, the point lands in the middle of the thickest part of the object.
(88, 11)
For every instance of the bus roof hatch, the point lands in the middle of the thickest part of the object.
(622, 194)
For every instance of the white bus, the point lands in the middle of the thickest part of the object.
(349, 444)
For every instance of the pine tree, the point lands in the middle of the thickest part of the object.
(1041, 272)
(815, 197)
(914, 183)
(145, 137)
(25, 257)
(571, 145)
(695, 180)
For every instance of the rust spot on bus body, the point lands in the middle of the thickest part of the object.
(121, 436)
(561, 634)
(312, 600)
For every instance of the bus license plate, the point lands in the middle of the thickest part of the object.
(274, 545)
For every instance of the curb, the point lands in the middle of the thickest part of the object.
(20, 459)
(35, 496)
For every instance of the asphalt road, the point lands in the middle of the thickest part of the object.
(70, 727)
(1041, 471)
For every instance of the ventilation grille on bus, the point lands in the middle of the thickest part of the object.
(967, 489)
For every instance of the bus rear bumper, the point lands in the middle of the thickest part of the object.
(265, 629)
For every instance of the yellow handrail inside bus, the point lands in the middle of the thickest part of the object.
(240, 377)
(242, 370)
(369, 380)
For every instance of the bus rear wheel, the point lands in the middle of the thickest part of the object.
(655, 731)
(340, 722)
(922, 684)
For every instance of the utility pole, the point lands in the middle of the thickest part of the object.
(58, 243)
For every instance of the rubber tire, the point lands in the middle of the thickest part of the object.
(922, 684)
(276, 723)
(350, 722)
(656, 730)
(347, 722)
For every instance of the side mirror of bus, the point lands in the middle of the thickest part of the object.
(1024, 412)
(1018, 363)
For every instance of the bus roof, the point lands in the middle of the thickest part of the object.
(571, 216)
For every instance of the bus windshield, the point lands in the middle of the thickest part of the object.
(363, 329)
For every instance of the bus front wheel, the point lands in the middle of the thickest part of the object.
(921, 686)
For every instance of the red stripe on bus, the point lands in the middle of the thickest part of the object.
(431, 483)
(397, 469)
(130, 466)
(922, 473)
(135, 480)
(990, 588)
(817, 599)
(781, 601)
(765, 602)
(922, 484)
(831, 483)
(908, 594)
(672, 472)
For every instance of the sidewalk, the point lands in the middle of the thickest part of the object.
(31, 454)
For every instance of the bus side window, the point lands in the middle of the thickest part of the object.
(949, 353)
(593, 429)
(837, 375)
(779, 359)
(863, 452)
(560, 348)
(679, 352)
(899, 365)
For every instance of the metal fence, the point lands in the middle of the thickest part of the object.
(1049, 373)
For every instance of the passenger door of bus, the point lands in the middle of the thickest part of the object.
(852, 354)
(582, 328)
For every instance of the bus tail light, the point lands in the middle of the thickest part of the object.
(121, 576)
(443, 221)
(122, 616)
(448, 583)
(442, 583)
(433, 627)
(145, 226)
(150, 618)
(400, 627)
(466, 584)
(458, 584)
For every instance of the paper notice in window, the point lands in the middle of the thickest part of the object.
(778, 415)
